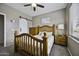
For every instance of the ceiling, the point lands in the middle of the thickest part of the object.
(48, 7)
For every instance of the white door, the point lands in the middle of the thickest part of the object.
(23, 26)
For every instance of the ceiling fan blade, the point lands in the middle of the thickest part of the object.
(34, 8)
(40, 5)
(27, 5)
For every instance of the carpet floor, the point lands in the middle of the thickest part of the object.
(57, 50)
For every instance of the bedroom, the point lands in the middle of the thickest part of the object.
(52, 18)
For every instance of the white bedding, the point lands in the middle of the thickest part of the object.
(50, 42)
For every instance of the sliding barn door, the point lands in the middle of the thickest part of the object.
(23, 26)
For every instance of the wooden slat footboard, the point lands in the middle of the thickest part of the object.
(29, 45)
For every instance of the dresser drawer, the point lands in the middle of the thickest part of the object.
(60, 40)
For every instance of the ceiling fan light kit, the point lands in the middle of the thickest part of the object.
(34, 5)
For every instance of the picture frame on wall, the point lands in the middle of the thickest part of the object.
(45, 20)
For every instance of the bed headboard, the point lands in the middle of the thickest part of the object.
(46, 28)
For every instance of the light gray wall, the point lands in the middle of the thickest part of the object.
(1, 29)
(56, 17)
(11, 14)
(73, 46)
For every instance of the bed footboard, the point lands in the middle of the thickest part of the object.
(29, 45)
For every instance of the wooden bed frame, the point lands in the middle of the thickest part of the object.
(22, 45)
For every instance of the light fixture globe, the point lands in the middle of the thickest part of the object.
(33, 5)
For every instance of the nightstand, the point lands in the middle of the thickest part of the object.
(61, 40)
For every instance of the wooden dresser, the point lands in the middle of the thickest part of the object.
(61, 40)
(33, 30)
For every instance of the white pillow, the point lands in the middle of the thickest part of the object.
(41, 34)
(47, 33)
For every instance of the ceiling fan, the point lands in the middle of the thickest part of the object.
(34, 5)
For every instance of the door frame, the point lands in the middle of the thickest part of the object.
(4, 28)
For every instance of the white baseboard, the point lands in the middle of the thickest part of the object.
(69, 51)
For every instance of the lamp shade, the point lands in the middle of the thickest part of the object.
(61, 26)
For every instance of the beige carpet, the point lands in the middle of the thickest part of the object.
(59, 50)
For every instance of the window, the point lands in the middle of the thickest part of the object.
(45, 20)
(74, 20)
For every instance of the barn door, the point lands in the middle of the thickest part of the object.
(23, 26)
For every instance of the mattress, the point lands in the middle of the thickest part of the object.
(50, 42)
